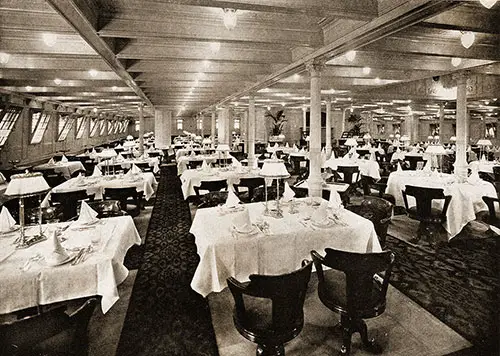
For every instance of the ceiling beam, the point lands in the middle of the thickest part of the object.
(75, 15)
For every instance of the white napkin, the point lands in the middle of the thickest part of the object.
(287, 145)
(87, 215)
(335, 201)
(120, 158)
(483, 158)
(206, 167)
(427, 167)
(474, 177)
(58, 254)
(45, 202)
(320, 215)
(64, 159)
(51, 161)
(241, 221)
(399, 169)
(232, 200)
(119, 146)
(295, 148)
(235, 163)
(7, 222)
(134, 169)
(2, 179)
(97, 172)
(302, 150)
(373, 157)
(288, 193)
(255, 164)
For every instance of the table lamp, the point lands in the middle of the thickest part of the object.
(435, 150)
(23, 186)
(482, 143)
(223, 149)
(108, 154)
(274, 169)
(351, 142)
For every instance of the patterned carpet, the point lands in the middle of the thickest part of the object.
(457, 283)
(165, 317)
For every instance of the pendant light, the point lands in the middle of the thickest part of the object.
(467, 38)
(230, 18)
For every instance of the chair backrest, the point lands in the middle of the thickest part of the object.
(32, 335)
(120, 193)
(413, 160)
(359, 270)
(496, 173)
(287, 293)
(194, 164)
(423, 197)
(211, 185)
(251, 184)
(351, 173)
(144, 166)
(69, 201)
(223, 161)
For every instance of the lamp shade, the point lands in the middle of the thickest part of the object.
(130, 137)
(107, 153)
(274, 168)
(206, 141)
(435, 150)
(351, 142)
(484, 142)
(27, 184)
(404, 138)
(367, 136)
(223, 148)
(453, 138)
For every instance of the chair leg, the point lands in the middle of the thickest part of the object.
(415, 240)
(270, 350)
(347, 331)
(370, 344)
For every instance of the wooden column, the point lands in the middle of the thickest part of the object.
(462, 126)
(315, 181)
(141, 128)
(328, 146)
(163, 128)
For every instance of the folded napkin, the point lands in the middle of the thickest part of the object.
(427, 167)
(2, 179)
(134, 169)
(206, 167)
(474, 177)
(232, 200)
(323, 150)
(119, 146)
(64, 159)
(46, 201)
(94, 152)
(288, 194)
(97, 172)
(7, 222)
(58, 254)
(287, 145)
(241, 221)
(302, 150)
(335, 201)
(51, 161)
(483, 158)
(235, 163)
(120, 158)
(87, 215)
(320, 215)
(255, 164)
(373, 157)
(399, 169)
(295, 148)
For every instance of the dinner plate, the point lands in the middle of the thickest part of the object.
(251, 232)
(67, 260)
(323, 224)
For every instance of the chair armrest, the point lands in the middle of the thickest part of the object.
(405, 199)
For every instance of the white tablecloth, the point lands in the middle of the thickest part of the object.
(183, 161)
(224, 254)
(143, 182)
(466, 198)
(191, 178)
(99, 274)
(127, 163)
(366, 167)
(67, 168)
(483, 166)
(186, 151)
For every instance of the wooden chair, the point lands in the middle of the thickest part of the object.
(69, 202)
(269, 309)
(50, 214)
(356, 287)
(52, 177)
(194, 164)
(212, 199)
(430, 218)
(376, 188)
(49, 333)
(127, 196)
(493, 216)
(350, 175)
(144, 166)
(211, 186)
(250, 184)
(223, 162)
(378, 211)
(496, 173)
(413, 161)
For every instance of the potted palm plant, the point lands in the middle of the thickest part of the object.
(278, 121)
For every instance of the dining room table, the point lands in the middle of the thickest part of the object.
(466, 199)
(275, 245)
(126, 163)
(483, 166)
(144, 182)
(367, 167)
(183, 161)
(191, 178)
(65, 168)
(29, 280)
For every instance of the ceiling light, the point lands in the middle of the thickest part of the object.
(455, 62)
(230, 18)
(4, 58)
(29, 88)
(50, 39)
(57, 81)
(114, 88)
(95, 109)
(486, 102)
(366, 70)
(350, 55)
(467, 38)
(215, 47)
(268, 108)
(93, 73)
(377, 80)
(488, 3)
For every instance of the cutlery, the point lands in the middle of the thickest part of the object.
(78, 257)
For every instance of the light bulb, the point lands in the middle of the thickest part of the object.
(377, 80)
(488, 3)
(366, 70)
(215, 47)
(4, 58)
(467, 39)
(57, 81)
(29, 88)
(455, 62)
(50, 39)
(350, 55)
(230, 18)
(93, 73)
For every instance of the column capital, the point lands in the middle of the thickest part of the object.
(315, 66)
(461, 77)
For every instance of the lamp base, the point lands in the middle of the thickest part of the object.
(30, 241)
(274, 213)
